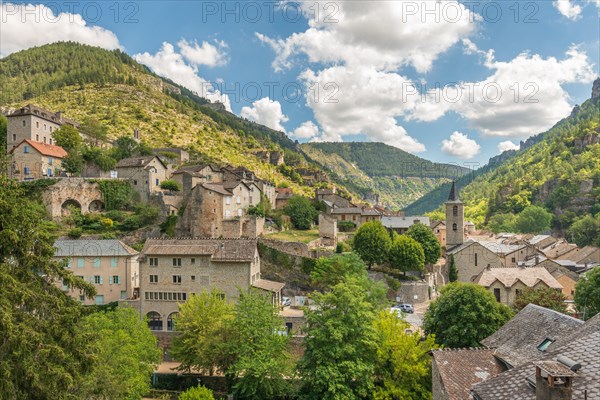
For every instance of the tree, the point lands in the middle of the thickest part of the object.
(502, 223)
(464, 314)
(547, 297)
(125, 355)
(73, 163)
(341, 345)
(431, 246)
(197, 393)
(452, 270)
(204, 323)
(3, 133)
(329, 271)
(262, 364)
(94, 130)
(587, 294)
(301, 212)
(126, 147)
(170, 185)
(372, 242)
(585, 231)
(41, 355)
(403, 366)
(533, 219)
(406, 254)
(67, 137)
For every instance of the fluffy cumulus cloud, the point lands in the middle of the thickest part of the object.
(363, 45)
(461, 146)
(266, 112)
(307, 130)
(507, 145)
(205, 54)
(171, 64)
(568, 8)
(521, 97)
(28, 25)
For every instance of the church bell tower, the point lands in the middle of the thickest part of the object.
(455, 219)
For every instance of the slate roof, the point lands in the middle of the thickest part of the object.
(234, 250)
(460, 369)
(583, 347)
(270, 286)
(92, 248)
(134, 162)
(195, 169)
(509, 276)
(453, 195)
(501, 248)
(217, 187)
(538, 238)
(395, 222)
(578, 254)
(557, 249)
(517, 341)
(44, 149)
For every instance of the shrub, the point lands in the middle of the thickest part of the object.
(116, 215)
(132, 223)
(346, 226)
(75, 233)
(170, 185)
(106, 222)
(197, 393)
(343, 247)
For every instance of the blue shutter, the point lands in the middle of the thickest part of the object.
(110, 280)
(80, 262)
(97, 262)
(101, 280)
(113, 262)
(118, 282)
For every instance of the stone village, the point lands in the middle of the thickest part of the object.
(217, 244)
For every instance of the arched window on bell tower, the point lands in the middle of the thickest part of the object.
(455, 212)
(454, 227)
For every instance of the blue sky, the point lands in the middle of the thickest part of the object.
(447, 81)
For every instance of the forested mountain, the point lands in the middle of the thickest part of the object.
(558, 170)
(373, 169)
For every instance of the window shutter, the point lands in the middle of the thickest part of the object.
(101, 280)
(110, 280)
(118, 280)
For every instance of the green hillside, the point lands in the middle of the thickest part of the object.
(369, 169)
(558, 170)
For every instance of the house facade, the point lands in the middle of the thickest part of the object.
(145, 174)
(402, 224)
(356, 215)
(109, 265)
(35, 160)
(189, 176)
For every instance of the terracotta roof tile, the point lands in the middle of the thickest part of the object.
(44, 149)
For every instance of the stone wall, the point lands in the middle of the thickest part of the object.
(87, 194)
(292, 248)
(327, 230)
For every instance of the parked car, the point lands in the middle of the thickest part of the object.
(404, 307)
(286, 301)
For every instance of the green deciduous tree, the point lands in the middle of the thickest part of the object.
(372, 242)
(585, 231)
(406, 254)
(67, 137)
(502, 223)
(95, 130)
(197, 393)
(170, 185)
(301, 212)
(452, 270)
(533, 219)
(403, 366)
(3, 137)
(587, 294)
(431, 246)
(204, 322)
(125, 355)
(329, 271)
(41, 355)
(464, 314)
(341, 345)
(547, 297)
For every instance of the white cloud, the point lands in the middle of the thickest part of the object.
(568, 8)
(522, 97)
(507, 145)
(206, 54)
(28, 25)
(307, 130)
(385, 35)
(266, 112)
(461, 146)
(170, 64)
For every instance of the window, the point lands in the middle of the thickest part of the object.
(135, 182)
(153, 262)
(455, 211)
(193, 278)
(238, 200)
(49, 172)
(37, 124)
(454, 227)
(113, 262)
(176, 278)
(123, 294)
(50, 129)
(171, 321)
(80, 262)
(81, 297)
(14, 137)
(45, 127)
(497, 294)
(97, 262)
(157, 182)
(26, 149)
(26, 170)
(517, 292)
(221, 296)
(97, 279)
(153, 278)
(37, 138)
(514, 260)
(177, 262)
(240, 212)
(227, 214)
(99, 300)
(116, 279)
(154, 321)
(24, 123)
(545, 344)
(50, 160)
(44, 139)
(193, 261)
(69, 263)
(228, 200)
(475, 259)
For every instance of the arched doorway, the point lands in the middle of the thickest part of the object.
(96, 206)
(155, 322)
(70, 205)
(171, 319)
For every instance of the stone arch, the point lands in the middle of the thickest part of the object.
(171, 321)
(155, 322)
(68, 203)
(96, 206)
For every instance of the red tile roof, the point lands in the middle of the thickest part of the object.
(44, 149)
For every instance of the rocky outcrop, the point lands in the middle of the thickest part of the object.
(596, 89)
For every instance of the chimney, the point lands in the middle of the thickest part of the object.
(554, 379)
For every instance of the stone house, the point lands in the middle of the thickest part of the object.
(110, 265)
(356, 215)
(557, 249)
(181, 156)
(541, 241)
(401, 224)
(283, 195)
(171, 270)
(35, 160)
(586, 255)
(145, 174)
(439, 230)
(330, 195)
(507, 283)
(189, 176)
(33, 123)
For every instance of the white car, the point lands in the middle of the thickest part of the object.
(286, 301)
